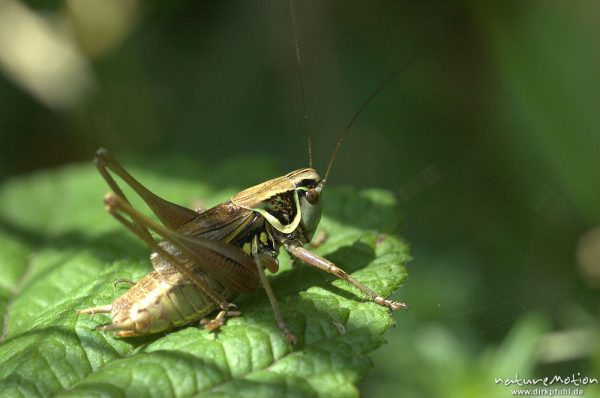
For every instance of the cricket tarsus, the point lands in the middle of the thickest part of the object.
(218, 321)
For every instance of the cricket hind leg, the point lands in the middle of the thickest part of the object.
(296, 250)
(225, 263)
(114, 204)
(170, 214)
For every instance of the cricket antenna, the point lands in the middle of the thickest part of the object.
(301, 78)
(415, 55)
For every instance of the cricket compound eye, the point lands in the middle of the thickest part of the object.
(312, 196)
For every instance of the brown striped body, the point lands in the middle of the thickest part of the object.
(224, 244)
(166, 299)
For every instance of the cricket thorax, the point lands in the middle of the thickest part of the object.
(283, 208)
(258, 239)
(289, 204)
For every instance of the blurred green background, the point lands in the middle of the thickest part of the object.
(490, 139)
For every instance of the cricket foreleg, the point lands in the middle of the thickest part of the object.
(115, 204)
(296, 250)
(219, 320)
(274, 303)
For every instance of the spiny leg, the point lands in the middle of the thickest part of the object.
(170, 214)
(115, 204)
(274, 303)
(296, 250)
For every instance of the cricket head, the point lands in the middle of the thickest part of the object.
(291, 203)
(309, 186)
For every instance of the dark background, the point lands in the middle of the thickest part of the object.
(490, 139)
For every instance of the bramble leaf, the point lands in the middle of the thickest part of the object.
(60, 251)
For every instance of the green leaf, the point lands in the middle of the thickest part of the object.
(60, 251)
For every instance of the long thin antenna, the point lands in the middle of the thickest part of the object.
(301, 77)
(416, 54)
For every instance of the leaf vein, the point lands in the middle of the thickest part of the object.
(14, 293)
(51, 369)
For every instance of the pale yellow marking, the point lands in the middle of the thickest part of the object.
(246, 248)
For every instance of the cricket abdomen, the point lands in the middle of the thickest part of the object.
(158, 303)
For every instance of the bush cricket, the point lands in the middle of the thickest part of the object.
(206, 257)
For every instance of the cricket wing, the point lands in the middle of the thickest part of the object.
(203, 244)
(222, 222)
(223, 262)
